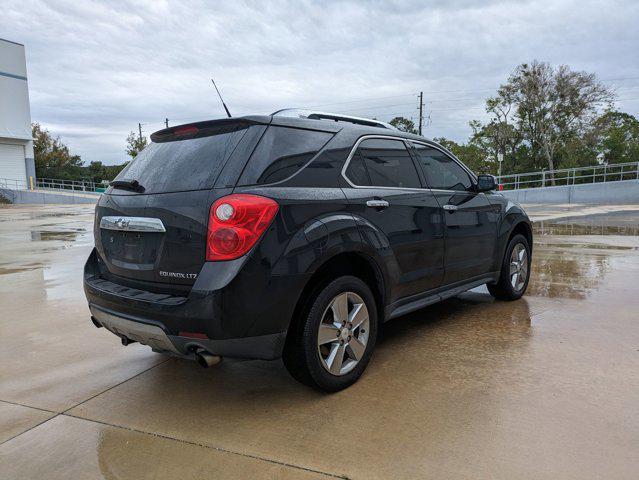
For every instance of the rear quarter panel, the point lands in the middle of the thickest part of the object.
(311, 226)
(511, 214)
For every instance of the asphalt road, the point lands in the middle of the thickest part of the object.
(545, 387)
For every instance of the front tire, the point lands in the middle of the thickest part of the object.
(515, 271)
(330, 346)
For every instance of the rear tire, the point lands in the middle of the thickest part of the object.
(515, 271)
(330, 345)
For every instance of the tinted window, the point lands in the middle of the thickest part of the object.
(356, 171)
(383, 163)
(182, 165)
(324, 171)
(281, 152)
(441, 171)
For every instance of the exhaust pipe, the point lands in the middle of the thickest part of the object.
(95, 322)
(206, 359)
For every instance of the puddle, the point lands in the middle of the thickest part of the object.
(10, 270)
(584, 228)
(46, 235)
(593, 246)
(567, 275)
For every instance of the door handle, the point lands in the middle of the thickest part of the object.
(377, 204)
(450, 208)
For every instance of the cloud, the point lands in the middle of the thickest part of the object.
(96, 69)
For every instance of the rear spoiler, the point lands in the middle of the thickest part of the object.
(207, 128)
(314, 115)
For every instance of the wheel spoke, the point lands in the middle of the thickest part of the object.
(327, 333)
(336, 359)
(340, 308)
(358, 316)
(514, 280)
(355, 348)
(513, 267)
(338, 347)
(522, 253)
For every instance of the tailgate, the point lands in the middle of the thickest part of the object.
(151, 225)
(155, 238)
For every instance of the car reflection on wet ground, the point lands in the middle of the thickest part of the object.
(545, 387)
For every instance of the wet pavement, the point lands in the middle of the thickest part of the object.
(545, 387)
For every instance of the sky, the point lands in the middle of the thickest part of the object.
(96, 69)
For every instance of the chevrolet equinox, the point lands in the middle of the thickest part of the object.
(294, 235)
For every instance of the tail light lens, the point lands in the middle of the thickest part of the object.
(236, 222)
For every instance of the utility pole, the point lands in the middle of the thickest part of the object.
(421, 111)
(166, 122)
(140, 130)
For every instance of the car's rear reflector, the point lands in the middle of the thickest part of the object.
(203, 336)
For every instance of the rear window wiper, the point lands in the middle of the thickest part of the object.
(128, 185)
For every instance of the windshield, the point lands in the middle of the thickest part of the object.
(182, 165)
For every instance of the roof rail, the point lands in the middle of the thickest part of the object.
(314, 115)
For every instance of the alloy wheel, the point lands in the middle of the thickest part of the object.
(343, 333)
(518, 267)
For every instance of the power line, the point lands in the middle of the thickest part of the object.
(433, 101)
(412, 112)
(374, 107)
(618, 79)
(377, 109)
(437, 92)
(360, 100)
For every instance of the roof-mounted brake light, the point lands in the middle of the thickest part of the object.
(184, 131)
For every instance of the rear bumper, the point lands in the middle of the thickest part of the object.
(235, 309)
(266, 347)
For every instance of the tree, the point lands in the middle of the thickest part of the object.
(404, 124)
(112, 171)
(547, 107)
(135, 144)
(615, 136)
(98, 172)
(473, 156)
(52, 157)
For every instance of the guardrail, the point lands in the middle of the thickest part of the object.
(74, 185)
(13, 184)
(570, 176)
(516, 181)
(52, 184)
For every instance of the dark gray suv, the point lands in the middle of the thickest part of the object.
(294, 235)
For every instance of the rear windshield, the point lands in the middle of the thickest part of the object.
(282, 151)
(182, 165)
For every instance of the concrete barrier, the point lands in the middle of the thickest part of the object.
(603, 193)
(35, 197)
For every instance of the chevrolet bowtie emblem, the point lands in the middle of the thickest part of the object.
(122, 223)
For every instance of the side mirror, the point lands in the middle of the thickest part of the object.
(485, 183)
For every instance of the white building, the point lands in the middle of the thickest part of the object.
(16, 145)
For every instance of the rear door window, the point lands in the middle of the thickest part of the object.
(182, 165)
(383, 163)
(441, 171)
(282, 151)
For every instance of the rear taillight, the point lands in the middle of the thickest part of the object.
(236, 223)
